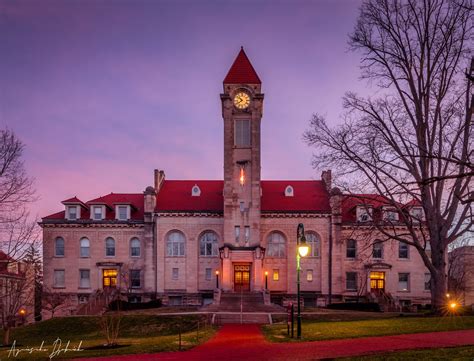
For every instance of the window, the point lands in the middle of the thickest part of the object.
(364, 213)
(175, 274)
(276, 245)
(351, 248)
(175, 244)
(83, 298)
(59, 275)
(427, 281)
(208, 244)
(276, 274)
(242, 133)
(135, 279)
(377, 250)
(402, 250)
(84, 278)
(351, 281)
(110, 247)
(416, 214)
(122, 213)
(289, 192)
(196, 191)
(404, 282)
(237, 234)
(97, 211)
(59, 247)
(309, 275)
(313, 242)
(208, 274)
(85, 247)
(390, 215)
(247, 233)
(135, 247)
(72, 213)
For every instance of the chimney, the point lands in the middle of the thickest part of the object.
(327, 179)
(159, 179)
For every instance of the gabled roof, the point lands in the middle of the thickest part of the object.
(309, 196)
(350, 202)
(242, 71)
(136, 200)
(74, 200)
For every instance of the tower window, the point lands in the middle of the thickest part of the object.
(196, 191)
(242, 133)
(289, 192)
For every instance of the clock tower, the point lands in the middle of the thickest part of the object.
(242, 108)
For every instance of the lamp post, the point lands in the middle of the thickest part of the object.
(266, 280)
(302, 251)
(217, 279)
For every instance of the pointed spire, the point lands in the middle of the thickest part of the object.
(242, 71)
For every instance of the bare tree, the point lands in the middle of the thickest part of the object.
(53, 301)
(415, 140)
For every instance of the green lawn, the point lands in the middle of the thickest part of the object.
(452, 354)
(138, 334)
(313, 330)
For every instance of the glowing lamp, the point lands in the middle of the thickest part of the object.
(266, 273)
(22, 312)
(303, 248)
(453, 305)
(242, 176)
(217, 273)
(448, 295)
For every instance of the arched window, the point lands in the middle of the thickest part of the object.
(351, 248)
(59, 247)
(314, 242)
(85, 247)
(276, 245)
(135, 247)
(175, 244)
(110, 247)
(377, 249)
(208, 244)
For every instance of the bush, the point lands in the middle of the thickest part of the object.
(353, 306)
(128, 306)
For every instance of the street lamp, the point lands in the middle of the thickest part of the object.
(217, 279)
(303, 250)
(266, 280)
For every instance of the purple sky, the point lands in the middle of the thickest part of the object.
(103, 92)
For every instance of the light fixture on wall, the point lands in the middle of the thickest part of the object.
(242, 175)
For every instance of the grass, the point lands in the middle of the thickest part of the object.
(138, 334)
(451, 353)
(327, 330)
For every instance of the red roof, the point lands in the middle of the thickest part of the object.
(175, 195)
(242, 71)
(309, 196)
(350, 202)
(135, 199)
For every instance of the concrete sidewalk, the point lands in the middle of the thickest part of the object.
(246, 342)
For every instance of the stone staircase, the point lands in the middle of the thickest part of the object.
(242, 307)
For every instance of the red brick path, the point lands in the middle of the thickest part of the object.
(246, 342)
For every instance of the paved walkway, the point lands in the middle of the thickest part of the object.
(246, 342)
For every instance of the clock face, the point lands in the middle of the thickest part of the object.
(241, 100)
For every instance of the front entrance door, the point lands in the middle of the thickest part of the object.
(377, 281)
(109, 277)
(242, 278)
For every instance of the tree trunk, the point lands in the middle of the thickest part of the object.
(6, 336)
(439, 280)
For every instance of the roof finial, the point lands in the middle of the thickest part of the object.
(241, 47)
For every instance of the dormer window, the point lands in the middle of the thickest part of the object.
(364, 213)
(72, 213)
(390, 215)
(289, 192)
(97, 213)
(122, 213)
(417, 214)
(196, 191)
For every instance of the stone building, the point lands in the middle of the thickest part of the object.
(180, 239)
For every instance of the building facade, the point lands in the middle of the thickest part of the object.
(180, 240)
